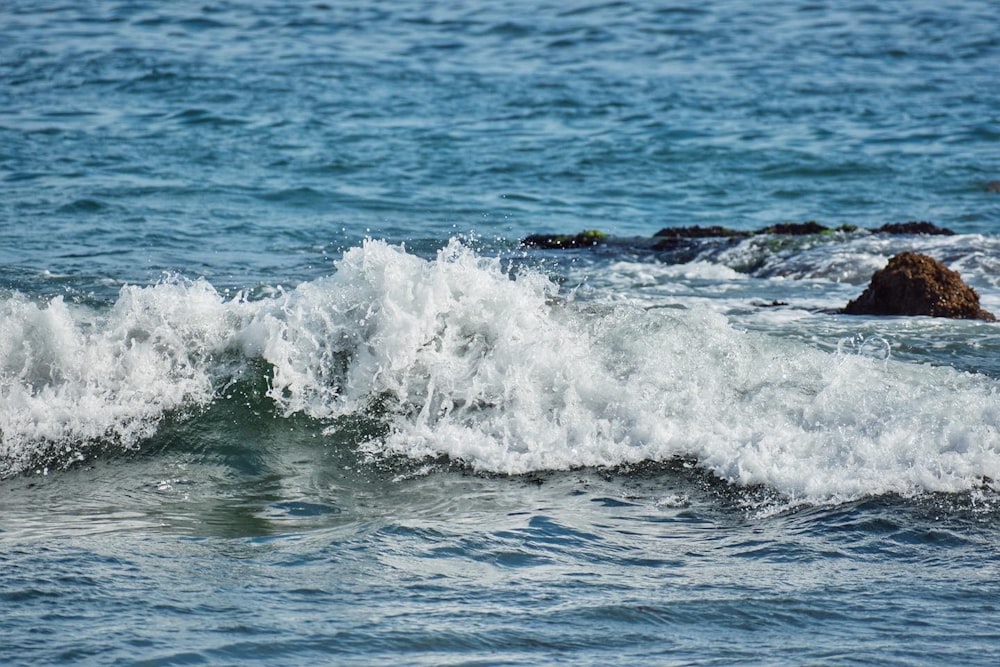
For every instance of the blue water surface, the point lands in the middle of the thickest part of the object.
(251, 143)
(246, 140)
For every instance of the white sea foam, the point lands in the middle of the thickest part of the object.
(644, 274)
(69, 376)
(854, 259)
(504, 375)
(492, 372)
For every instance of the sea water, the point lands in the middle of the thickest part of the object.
(280, 385)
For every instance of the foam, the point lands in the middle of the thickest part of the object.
(853, 259)
(495, 373)
(650, 273)
(71, 376)
(463, 360)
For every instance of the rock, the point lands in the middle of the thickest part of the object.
(915, 284)
(913, 228)
(796, 228)
(584, 239)
(671, 239)
(698, 232)
(674, 238)
(993, 186)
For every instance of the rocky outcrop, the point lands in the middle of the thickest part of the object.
(699, 232)
(915, 284)
(913, 228)
(585, 239)
(784, 228)
(673, 238)
(796, 228)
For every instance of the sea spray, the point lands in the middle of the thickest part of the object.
(456, 356)
(71, 377)
(500, 375)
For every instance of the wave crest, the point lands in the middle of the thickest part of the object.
(458, 357)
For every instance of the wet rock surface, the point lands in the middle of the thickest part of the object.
(672, 238)
(913, 228)
(584, 239)
(699, 232)
(916, 284)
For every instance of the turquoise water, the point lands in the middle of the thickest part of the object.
(279, 385)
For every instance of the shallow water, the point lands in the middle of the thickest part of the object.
(280, 385)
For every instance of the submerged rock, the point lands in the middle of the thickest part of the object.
(915, 284)
(584, 239)
(796, 228)
(685, 237)
(715, 231)
(674, 238)
(913, 228)
(699, 232)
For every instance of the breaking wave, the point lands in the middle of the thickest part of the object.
(458, 356)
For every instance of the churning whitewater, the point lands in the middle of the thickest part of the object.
(497, 368)
(233, 431)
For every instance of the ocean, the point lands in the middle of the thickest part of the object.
(280, 384)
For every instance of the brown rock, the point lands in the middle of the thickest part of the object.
(915, 284)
